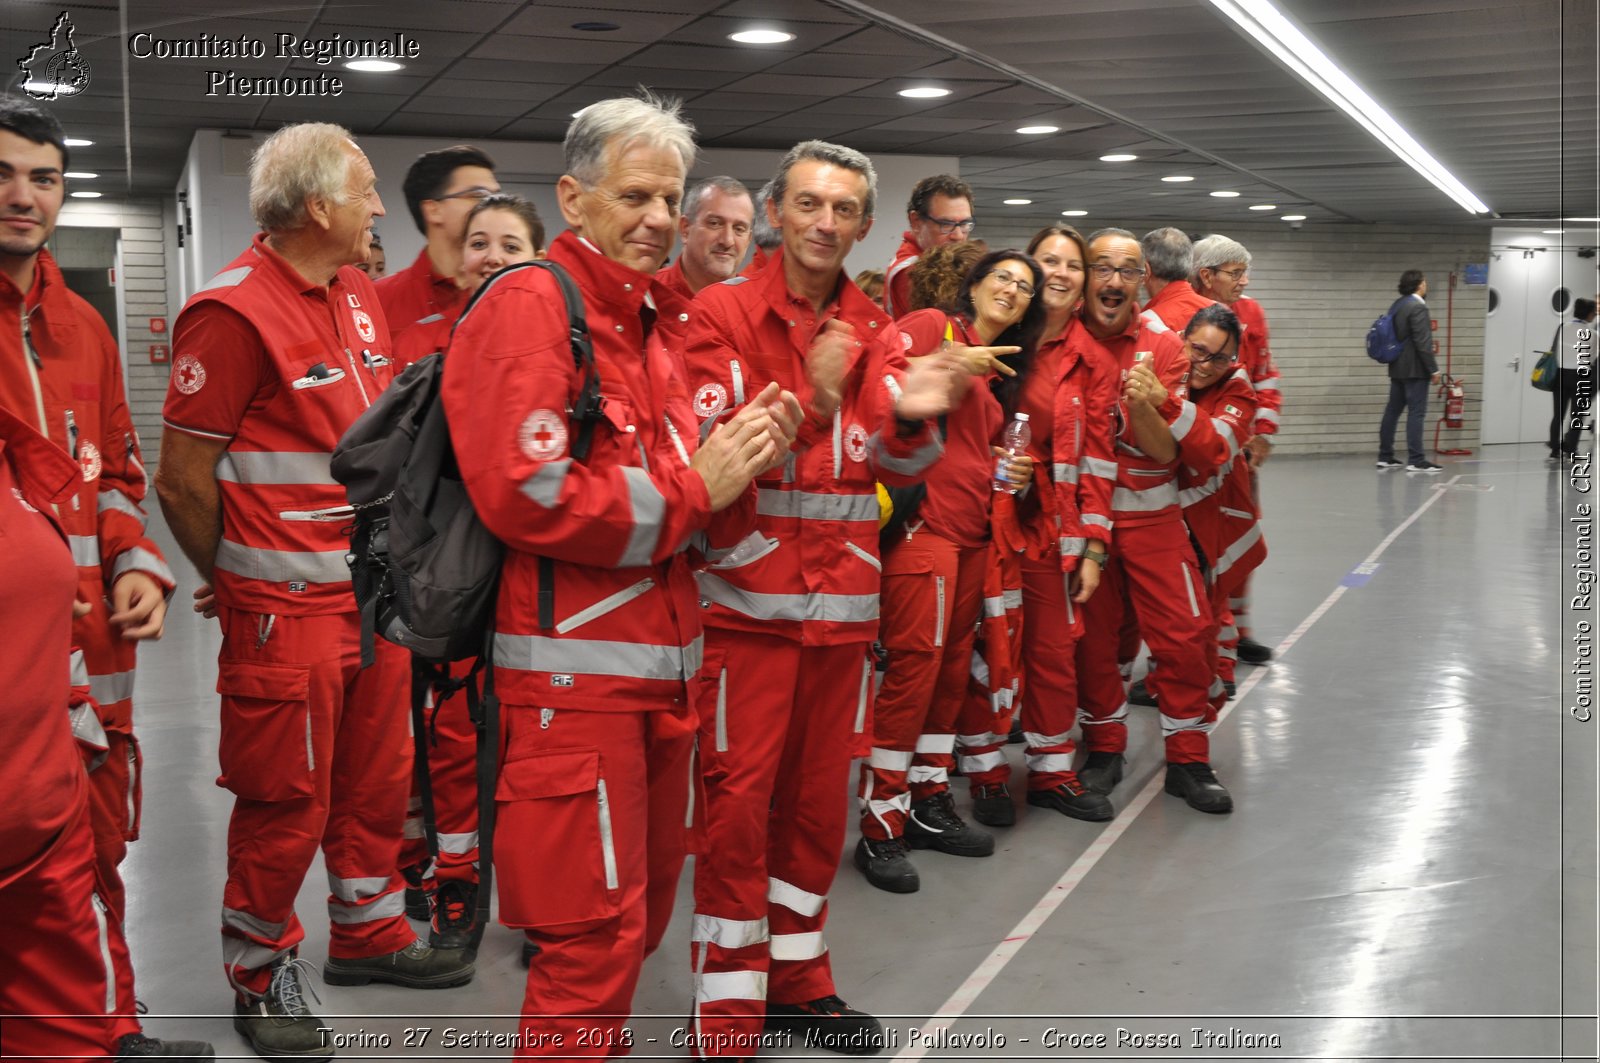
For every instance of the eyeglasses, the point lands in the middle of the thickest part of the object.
(1236, 274)
(475, 192)
(1102, 272)
(1002, 279)
(946, 226)
(1200, 356)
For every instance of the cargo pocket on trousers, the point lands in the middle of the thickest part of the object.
(266, 750)
(554, 847)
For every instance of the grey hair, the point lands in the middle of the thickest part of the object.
(1168, 254)
(293, 164)
(762, 233)
(1111, 230)
(728, 186)
(834, 154)
(1216, 250)
(625, 120)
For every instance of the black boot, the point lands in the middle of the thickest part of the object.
(1141, 694)
(280, 1025)
(829, 1023)
(417, 906)
(1198, 785)
(1101, 772)
(138, 1046)
(455, 918)
(992, 806)
(416, 966)
(1072, 798)
(1252, 652)
(934, 824)
(887, 865)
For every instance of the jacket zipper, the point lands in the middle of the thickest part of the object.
(864, 555)
(608, 604)
(103, 934)
(738, 382)
(722, 711)
(351, 358)
(33, 375)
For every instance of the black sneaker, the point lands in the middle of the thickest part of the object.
(1424, 466)
(829, 1023)
(1016, 737)
(417, 905)
(280, 1025)
(1230, 687)
(1252, 652)
(1141, 694)
(1072, 798)
(992, 806)
(416, 966)
(887, 865)
(529, 951)
(934, 824)
(1388, 463)
(1101, 772)
(1198, 785)
(138, 1046)
(455, 918)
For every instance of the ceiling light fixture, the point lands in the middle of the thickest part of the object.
(1552, 232)
(1017, 202)
(1293, 217)
(924, 92)
(77, 142)
(1264, 206)
(1035, 130)
(1177, 179)
(1118, 157)
(85, 195)
(372, 66)
(1225, 194)
(1074, 213)
(80, 175)
(42, 89)
(761, 37)
(596, 27)
(1261, 20)
(1563, 219)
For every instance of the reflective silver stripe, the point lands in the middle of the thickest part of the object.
(1265, 414)
(85, 550)
(1150, 500)
(77, 671)
(972, 764)
(728, 933)
(544, 486)
(283, 566)
(864, 555)
(387, 907)
(1191, 495)
(458, 844)
(412, 828)
(730, 985)
(919, 460)
(938, 611)
(1238, 548)
(838, 445)
(864, 696)
(1119, 716)
(1171, 725)
(798, 946)
(893, 387)
(111, 500)
(627, 660)
(1013, 597)
(102, 929)
(1042, 762)
(941, 743)
(1041, 741)
(994, 607)
(737, 373)
(1106, 470)
(1225, 430)
(608, 847)
(311, 752)
(1270, 383)
(1227, 634)
(1064, 472)
(228, 278)
(139, 559)
(1153, 322)
(1071, 546)
(1095, 520)
(112, 687)
(814, 505)
(610, 603)
(746, 551)
(1185, 420)
(86, 728)
(841, 608)
(1188, 585)
(352, 890)
(677, 440)
(646, 510)
(251, 925)
(920, 773)
(274, 467)
(889, 759)
(430, 319)
(794, 898)
(722, 711)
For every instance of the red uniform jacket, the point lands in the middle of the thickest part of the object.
(1256, 357)
(421, 307)
(897, 278)
(811, 570)
(1172, 307)
(671, 277)
(627, 632)
(1220, 509)
(759, 257)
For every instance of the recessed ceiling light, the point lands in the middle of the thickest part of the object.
(81, 175)
(924, 92)
(1074, 213)
(1552, 232)
(1119, 157)
(1033, 130)
(596, 27)
(1177, 179)
(1264, 206)
(1224, 194)
(85, 195)
(77, 142)
(761, 37)
(1294, 217)
(1017, 202)
(372, 66)
(60, 88)
(1563, 219)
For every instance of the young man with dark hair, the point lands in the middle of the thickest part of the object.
(1409, 376)
(938, 212)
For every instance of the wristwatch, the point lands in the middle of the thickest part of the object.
(1099, 557)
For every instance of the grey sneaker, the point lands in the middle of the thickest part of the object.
(138, 1046)
(280, 1025)
(1424, 466)
(417, 966)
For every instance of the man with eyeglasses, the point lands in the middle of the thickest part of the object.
(1151, 567)
(939, 212)
(715, 228)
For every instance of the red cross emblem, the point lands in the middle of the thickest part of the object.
(710, 400)
(188, 375)
(89, 458)
(543, 435)
(855, 442)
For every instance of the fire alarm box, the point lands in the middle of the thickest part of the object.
(158, 325)
(160, 352)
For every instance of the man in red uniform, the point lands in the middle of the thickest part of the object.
(423, 300)
(597, 632)
(939, 212)
(273, 359)
(1152, 566)
(763, 237)
(715, 227)
(60, 369)
(791, 614)
(1169, 258)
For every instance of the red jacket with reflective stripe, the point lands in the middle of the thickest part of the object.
(1170, 309)
(626, 634)
(811, 571)
(1083, 464)
(897, 278)
(1219, 508)
(327, 357)
(420, 306)
(1255, 355)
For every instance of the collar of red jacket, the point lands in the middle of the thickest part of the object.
(343, 277)
(610, 282)
(52, 314)
(849, 304)
(908, 247)
(1173, 290)
(46, 474)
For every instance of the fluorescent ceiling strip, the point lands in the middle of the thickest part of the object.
(1295, 50)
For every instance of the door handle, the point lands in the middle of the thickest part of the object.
(1515, 364)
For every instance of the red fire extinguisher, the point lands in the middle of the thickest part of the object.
(1454, 394)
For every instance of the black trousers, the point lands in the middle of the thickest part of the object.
(1565, 392)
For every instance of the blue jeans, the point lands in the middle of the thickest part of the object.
(1412, 396)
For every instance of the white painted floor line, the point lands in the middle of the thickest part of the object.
(1002, 954)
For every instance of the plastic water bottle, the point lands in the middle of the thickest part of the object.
(1015, 443)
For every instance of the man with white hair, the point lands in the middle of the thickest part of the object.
(716, 229)
(1169, 258)
(274, 358)
(597, 628)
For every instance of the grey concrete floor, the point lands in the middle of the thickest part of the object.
(1410, 871)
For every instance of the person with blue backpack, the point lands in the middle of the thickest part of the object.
(1411, 372)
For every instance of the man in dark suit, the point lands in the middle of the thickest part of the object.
(1409, 375)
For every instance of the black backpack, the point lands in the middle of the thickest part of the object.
(424, 569)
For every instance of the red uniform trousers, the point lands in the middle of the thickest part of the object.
(453, 774)
(1239, 596)
(1154, 572)
(314, 749)
(1051, 626)
(590, 838)
(775, 756)
(929, 605)
(115, 791)
(1228, 586)
(65, 960)
(994, 687)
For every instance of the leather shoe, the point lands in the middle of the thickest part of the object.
(1072, 798)
(1197, 784)
(1101, 772)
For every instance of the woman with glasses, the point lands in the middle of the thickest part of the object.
(933, 574)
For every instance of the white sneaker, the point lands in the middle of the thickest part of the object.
(1388, 463)
(1424, 466)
